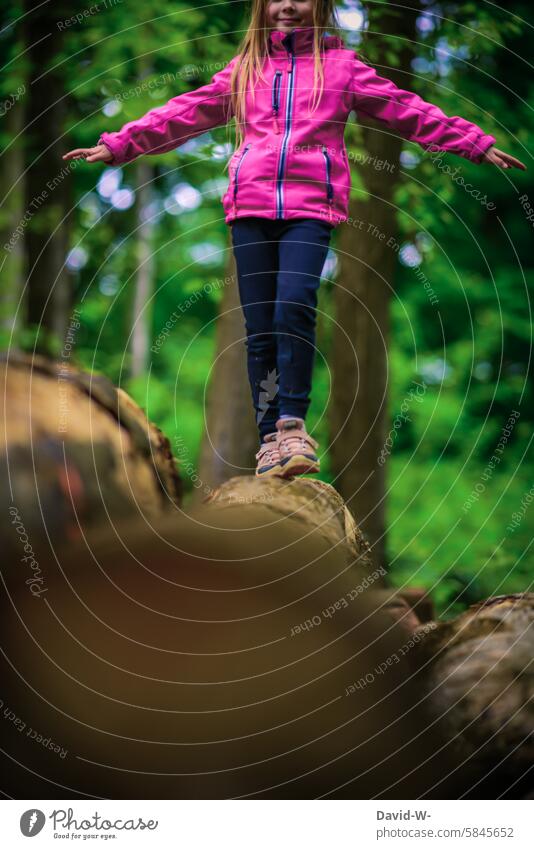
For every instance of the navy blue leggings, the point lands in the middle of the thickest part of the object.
(279, 265)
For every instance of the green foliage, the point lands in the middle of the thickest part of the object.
(459, 549)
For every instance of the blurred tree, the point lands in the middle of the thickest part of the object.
(230, 436)
(145, 271)
(13, 88)
(359, 410)
(47, 190)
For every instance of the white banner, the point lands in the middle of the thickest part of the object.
(258, 824)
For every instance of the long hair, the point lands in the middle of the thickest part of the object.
(253, 50)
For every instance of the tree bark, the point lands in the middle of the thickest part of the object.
(358, 413)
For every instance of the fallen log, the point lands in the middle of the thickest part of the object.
(246, 648)
(78, 451)
(478, 673)
(316, 505)
(209, 656)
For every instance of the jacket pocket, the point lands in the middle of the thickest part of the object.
(238, 169)
(328, 175)
(277, 82)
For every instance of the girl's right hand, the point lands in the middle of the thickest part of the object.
(100, 153)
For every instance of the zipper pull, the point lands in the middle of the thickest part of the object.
(330, 209)
(290, 55)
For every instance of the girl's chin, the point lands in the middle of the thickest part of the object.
(287, 26)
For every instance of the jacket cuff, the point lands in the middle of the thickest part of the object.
(479, 147)
(114, 147)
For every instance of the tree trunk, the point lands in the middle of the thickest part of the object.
(12, 267)
(231, 436)
(145, 271)
(359, 412)
(144, 278)
(48, 176)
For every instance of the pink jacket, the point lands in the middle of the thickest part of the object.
(292, 164)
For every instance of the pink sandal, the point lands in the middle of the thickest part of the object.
(268, 456)
(297, 448)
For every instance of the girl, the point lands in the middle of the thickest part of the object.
(291, 89)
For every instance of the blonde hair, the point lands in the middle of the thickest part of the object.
(253, 50)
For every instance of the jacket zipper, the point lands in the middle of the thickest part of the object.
(329, 187)
(282, 162)
(238, 168)
(277, 81)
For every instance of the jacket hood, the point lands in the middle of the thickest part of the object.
(302, 40)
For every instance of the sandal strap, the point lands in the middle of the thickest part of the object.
(295, 440)
(268, 449)
(265, 454)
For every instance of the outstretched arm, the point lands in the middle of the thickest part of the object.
(166, 127)
(417, 120)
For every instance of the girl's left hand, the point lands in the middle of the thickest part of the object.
(502, 160)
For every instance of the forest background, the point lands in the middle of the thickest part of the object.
(128, 271)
